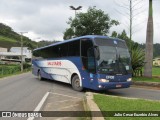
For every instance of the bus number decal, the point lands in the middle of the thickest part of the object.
(56, 63)
(109, 77)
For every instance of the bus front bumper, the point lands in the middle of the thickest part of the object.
(113, 85)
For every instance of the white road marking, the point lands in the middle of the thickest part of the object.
(65, 95)
(65, 100)
(70, 106)
(62, 118)
(40, 105)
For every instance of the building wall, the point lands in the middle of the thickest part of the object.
(156, 62)
(26, 51)
(3, 49)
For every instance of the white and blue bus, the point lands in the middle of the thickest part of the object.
(91, 61)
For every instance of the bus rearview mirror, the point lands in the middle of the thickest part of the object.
(96, 51)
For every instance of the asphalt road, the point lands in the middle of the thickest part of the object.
(24, 92)
(21, 92)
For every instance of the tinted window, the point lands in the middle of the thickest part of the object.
(110, 42)
(63, 50)
(85, 45)
(74, 48)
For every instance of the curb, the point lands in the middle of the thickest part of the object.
(146, 84)
(92, 106)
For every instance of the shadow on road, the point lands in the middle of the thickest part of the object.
(114, 92)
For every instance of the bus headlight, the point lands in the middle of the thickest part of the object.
(103, 80)
(129, 79)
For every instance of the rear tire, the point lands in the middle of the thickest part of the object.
(39, 76)
(76, 83)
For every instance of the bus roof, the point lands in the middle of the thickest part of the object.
(73, 39)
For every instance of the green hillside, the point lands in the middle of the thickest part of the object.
(8, 42)
(9, 38)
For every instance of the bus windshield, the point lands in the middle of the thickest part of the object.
(114, 59)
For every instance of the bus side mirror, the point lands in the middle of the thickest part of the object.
(96, 51)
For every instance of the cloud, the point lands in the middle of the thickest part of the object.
(47, 18)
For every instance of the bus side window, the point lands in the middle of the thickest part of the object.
(85, 45)
(73, 48)
(62, 50)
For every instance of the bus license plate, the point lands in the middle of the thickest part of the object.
(118, 86)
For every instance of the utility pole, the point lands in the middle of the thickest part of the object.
(75, 9)
(22, 50)
(131, 20)
(132, 8)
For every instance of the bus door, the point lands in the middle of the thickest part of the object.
(88, 62)
(92, 66)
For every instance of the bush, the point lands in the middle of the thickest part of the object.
(137, 58)
(26, 66)
(9, 69)
(13, 68)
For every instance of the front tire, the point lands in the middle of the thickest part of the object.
(39, 76)
(76, 83)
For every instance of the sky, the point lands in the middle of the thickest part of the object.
(47, 19)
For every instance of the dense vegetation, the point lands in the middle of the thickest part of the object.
(9, 69)
(156, 49)
(45, 42)
(9, 38)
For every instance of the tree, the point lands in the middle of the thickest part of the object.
(122, 36)
(156, 50)
(149, 43)
(69, 33)
(94, 21)
(114, 34)
(4, 29)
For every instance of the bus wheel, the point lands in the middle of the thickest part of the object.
(76, 83)
(39, 75)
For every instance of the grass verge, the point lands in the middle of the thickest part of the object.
(110, 103)
(13, 69)
(156, 71)
(16, 73)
